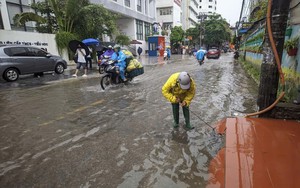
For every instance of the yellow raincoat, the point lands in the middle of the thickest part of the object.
(171, 90)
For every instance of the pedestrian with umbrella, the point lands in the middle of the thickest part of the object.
(81, 51)
(89, 42)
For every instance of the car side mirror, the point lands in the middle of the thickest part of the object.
(48, 55)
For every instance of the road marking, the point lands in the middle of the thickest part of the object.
(72, 112)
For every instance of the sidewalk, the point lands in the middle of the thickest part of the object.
(258, 153)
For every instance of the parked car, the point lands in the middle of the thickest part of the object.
(213, 53)
(17, 60)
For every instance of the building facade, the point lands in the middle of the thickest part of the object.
(23, 35)
(137, 17)
(208, 6)
(190, 11)
(9, 8)
(169, 13)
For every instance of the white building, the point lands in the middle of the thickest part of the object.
(208, 6)
(10, 34)
(169, 13)
(190, 10)
(137, 17)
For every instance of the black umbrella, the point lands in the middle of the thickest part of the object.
(135, 42)
(73, 45)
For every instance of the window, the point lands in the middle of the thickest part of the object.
(147, 29)
(152, 46)
(36, 52)
(16, 51)
(17, 7)
(127, 3)
(210, 1)
(139, 5)
(167, 25)
(209, 6)
(166, 11)
(200, 6)
(139, 30)
(1, 22)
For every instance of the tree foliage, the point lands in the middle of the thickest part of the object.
(122, 40)
(259, 10)
(60, 16)
(177, 35)
(216, 30)
(44, 9)
(194, 33)
(95, 20)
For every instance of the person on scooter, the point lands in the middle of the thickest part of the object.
(108, 52)
(168, 53)
(119, 56)
(200, 55)
(180, 90)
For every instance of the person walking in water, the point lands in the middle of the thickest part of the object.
(180, 90)
(80, 53)
(140, 50)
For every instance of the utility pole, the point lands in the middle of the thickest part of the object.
(202, 16)
(269, 77)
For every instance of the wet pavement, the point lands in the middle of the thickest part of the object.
(58, 131)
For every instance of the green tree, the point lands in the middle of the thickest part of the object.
(216, 30)
(44, 9)
(95, 21)
(177, 36)
(194, 33)
(60, 16)
(122, 40)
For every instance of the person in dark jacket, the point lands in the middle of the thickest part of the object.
(140, 50)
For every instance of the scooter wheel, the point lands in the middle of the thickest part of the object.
(101, 70)
(105, 81)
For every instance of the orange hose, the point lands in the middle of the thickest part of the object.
(277, 59)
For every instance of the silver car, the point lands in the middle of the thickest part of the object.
(16, 60)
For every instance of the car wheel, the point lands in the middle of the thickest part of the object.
(11, 74)
(59, 68)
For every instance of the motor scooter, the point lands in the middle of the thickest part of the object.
(102, 63)
(236, 55)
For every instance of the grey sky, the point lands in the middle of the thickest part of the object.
(230, 10)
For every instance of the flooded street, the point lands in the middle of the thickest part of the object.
(71, 133)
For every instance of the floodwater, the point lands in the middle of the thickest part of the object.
(70, 133)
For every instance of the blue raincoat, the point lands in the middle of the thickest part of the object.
(200, 54)
(120, 57)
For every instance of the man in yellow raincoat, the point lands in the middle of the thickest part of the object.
(180, 90)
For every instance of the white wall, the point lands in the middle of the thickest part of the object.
(164, 3)
(127, 27)
(4, 15)
(177, 13)
(40, 40)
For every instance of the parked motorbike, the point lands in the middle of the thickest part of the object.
(102, 63)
